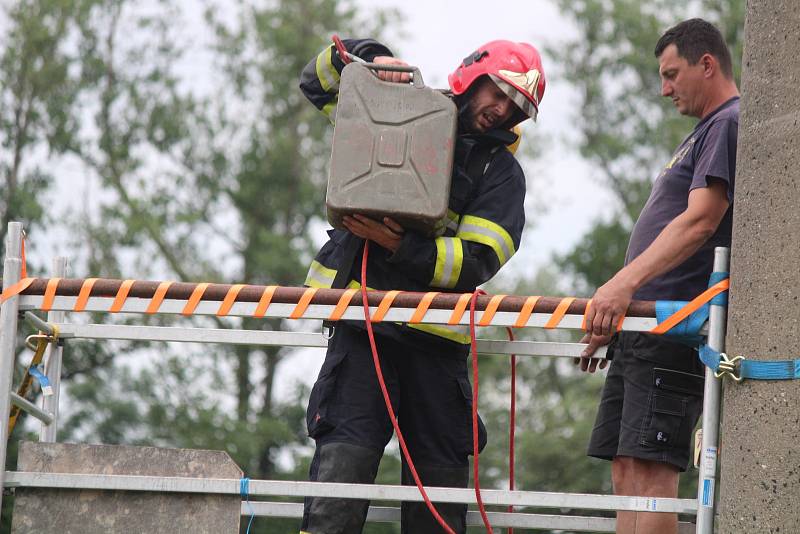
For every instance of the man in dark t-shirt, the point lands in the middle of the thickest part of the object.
(641, 427)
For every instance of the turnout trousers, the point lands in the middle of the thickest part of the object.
(432, 399)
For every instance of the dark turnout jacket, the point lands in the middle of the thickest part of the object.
(480, 233)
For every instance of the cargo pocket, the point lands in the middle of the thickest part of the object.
(318, 418)
(466, 392)
(665, 425)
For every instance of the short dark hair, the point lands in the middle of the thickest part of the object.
(694, 38)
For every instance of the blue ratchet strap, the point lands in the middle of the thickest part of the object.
(44, 382)
(688, 330)
(244, 491)
(721, 364)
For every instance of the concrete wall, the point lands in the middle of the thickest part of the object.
(124, 512)
(760, 434)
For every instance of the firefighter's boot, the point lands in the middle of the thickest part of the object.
(340, 462)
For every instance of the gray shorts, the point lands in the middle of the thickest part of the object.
(651, 401)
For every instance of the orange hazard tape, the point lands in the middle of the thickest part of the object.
(491, 309)
(50, 293)
(16, 289)
(24, 271)
(384, 306)
(422, 309)
(460, 308)
(83, 296)
(230, 298)
(302, 305)
(526, 311)
(341, 306)
(559, 313)
(158, 297)
(263, 303)
(194, 299)
(586, 314)
(694, 305)
(122, 295)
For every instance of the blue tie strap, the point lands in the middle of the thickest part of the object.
(685, 319)
(740, 368)
(36, 372)
(688, 330)
(244, 491)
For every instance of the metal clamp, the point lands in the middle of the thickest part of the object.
(729, 367)
(30, 340)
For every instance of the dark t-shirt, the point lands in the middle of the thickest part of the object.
(708, 153)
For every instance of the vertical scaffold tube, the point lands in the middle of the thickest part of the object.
(12, 269)
(706, 485)
(55, 351)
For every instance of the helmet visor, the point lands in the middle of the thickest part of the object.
(516, 96)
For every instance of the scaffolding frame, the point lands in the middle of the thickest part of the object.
(702, 507)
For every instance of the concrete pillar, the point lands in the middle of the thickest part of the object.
(67, 511)
(759, 452)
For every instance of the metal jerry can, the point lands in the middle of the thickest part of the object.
(392, 152)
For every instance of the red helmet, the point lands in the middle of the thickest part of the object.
(516, 68)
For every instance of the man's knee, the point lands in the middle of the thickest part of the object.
(636, 476)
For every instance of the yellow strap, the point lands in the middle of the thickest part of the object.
(27, 379)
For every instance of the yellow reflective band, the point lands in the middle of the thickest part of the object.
(459, 334)
(319, 275)
(486, 232)
(329, 110)
(515, 145)
(449, 259)
(326, 72)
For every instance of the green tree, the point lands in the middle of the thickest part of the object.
(221, 184)
(38, 92)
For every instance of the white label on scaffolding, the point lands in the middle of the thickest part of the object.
(708, 493)
(709, 464)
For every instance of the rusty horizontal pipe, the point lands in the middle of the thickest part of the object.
(290, 295)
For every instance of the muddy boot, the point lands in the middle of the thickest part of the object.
(417, 519)
(339, 462)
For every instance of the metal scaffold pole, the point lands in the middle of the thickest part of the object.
(12, 269)
(711, 401)
(53, 366)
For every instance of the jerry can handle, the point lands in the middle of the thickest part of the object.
(416, 75)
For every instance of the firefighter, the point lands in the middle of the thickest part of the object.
(494, 88)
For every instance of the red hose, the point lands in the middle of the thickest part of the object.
(512, 423)
(475, 444)
(386, 399)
